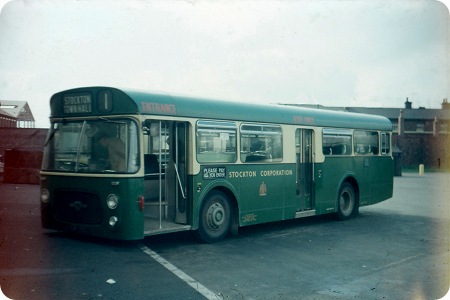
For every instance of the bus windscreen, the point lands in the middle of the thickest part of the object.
(99, 146)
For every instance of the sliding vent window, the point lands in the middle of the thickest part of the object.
(216, 142)
(366, 142)
(261, 143)
(385, 143)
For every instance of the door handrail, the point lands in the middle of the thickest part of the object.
(179, 181)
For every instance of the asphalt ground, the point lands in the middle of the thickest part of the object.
(398, 249)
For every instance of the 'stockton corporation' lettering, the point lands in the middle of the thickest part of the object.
(242, 174)
(265, 173)
(276, 173)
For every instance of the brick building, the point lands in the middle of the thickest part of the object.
(6, 119)
(421, 135)
(21, 145)
(16, 114)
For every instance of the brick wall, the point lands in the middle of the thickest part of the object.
(432, 151)
(23, 139)
(22, 149)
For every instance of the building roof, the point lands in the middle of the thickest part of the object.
(5, 113)
(392, 113)
(408, 113)
(17, 109)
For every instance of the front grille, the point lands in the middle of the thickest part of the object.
(77, 207)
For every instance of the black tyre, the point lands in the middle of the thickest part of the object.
(215, 218)
(346, 202)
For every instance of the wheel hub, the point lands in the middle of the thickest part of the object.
(215, 217)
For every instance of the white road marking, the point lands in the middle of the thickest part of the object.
(398, 262)
(180, 274)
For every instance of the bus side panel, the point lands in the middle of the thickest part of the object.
(373, 175)
(262, 196)
(381, 180)
(327, 176)
(79, 205)
(261, 190)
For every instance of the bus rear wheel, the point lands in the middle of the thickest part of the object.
(346, 203)
(215, 218)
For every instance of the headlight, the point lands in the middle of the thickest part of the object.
(113, 220)
(45, 195)
(112, 201)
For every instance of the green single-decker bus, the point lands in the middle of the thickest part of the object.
(125, 164)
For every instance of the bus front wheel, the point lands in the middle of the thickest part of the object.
(215, 218)
(346, 204)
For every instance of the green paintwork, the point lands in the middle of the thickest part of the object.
(374, 177)
(128, 190)
(139, 102)
(122, 103)
(261, 192)
(264, 192)
(263, 198)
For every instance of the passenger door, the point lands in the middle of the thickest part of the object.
(180, 161)
(305, 168)
(166, 167)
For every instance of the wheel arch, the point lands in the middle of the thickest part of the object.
(234, 206)
(350, 179)
(230, 192)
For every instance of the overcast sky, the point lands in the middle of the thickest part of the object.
(334, 53)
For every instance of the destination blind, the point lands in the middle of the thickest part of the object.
(75, 104)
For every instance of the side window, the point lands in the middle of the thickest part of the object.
(385, 143)
(337, 142)
(216, 142)
(261, 143)
(366, 142)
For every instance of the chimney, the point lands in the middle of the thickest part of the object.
(445, 104)
(408, 105)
